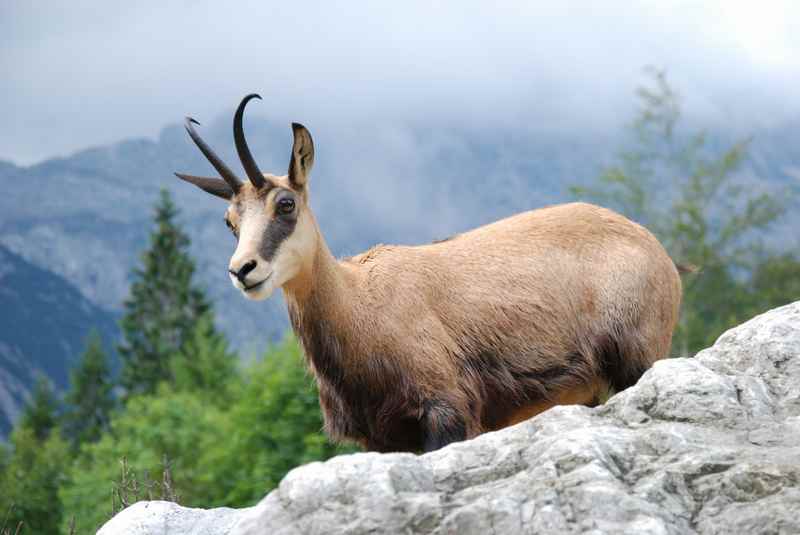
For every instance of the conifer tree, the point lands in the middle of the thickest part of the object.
(40, 415)
(89, 400)
(204, 363)
(33, 470)
(163, 307)
(29, 484)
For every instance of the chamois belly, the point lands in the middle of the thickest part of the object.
(582, 394)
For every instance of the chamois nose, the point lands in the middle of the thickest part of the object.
(243, 271)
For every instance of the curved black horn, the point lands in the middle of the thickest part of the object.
(249, 164)
(232, 180)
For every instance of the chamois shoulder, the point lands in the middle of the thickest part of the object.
(563, 223)
(371, 254)
(571, 222)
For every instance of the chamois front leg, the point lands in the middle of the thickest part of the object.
(441, 425)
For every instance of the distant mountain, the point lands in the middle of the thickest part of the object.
(87, 217)
(44, 326)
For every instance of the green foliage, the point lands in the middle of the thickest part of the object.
(277, 423)
(32, 466)
(163, 307)
(204, 364)
(180, 425)
(5, 457)
(31, 479)
(89, 400)
(228, 453)
(684, 192)
(775, 281)
(39, 415)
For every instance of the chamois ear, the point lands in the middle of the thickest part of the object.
(214, 186)
(302, 156)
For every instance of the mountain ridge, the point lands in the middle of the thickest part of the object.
(44, 334)
(86, 217)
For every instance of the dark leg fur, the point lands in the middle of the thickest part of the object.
(619, 365)
(441, 425)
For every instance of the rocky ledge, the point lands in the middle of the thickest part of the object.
(709, 444)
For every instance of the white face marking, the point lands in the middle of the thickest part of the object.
(297, 250)
(253, 222)
(287, 261)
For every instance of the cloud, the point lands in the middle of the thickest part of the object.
(84, 73)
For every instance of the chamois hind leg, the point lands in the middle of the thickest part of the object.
(441, 425)
(623, 359)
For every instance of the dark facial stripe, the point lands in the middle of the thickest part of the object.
(277, 231)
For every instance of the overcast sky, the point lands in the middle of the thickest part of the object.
(82, 73)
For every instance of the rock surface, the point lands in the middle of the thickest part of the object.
(145, 518)
(703, 445)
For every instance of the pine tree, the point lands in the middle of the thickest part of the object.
(163, 307)
(40, 415)
(90, 400)
(204, 363)
(29, 485)
(34, 469)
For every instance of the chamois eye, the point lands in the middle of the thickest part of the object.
(285, 206)
(230, 226)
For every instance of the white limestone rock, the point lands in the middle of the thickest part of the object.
(703, 445)
(148, 518)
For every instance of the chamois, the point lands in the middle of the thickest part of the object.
(417, 347)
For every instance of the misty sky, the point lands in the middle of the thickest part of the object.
(84, 73)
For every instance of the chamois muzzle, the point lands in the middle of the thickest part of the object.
(241, 274)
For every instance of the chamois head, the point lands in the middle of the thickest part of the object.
(269, 215)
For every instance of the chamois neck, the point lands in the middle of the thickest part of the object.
(321, 285)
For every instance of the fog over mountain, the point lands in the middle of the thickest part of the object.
(86, 218)
(90, 73)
